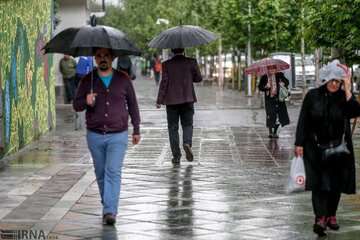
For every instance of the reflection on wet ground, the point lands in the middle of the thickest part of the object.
(233, 190)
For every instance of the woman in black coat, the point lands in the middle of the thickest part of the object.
(325, 118)
(276, 111)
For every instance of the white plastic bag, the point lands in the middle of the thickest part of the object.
(296, 182)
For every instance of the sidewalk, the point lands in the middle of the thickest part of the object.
(233, 190)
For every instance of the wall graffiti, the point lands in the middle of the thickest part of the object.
(27, 83)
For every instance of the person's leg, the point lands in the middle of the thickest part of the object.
(67, 86)
(72, 82)
(320, 203)
(333, 203)
(270, 115)
(186, 116)
(173, 128)
(116, 146)
(275, 129)
(157, 78)
(97, 149)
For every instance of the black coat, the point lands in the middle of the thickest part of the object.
(273, 106)
(323, 118)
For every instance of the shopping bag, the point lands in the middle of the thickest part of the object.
(296, 182)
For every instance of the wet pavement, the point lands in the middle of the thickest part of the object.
(235, 188)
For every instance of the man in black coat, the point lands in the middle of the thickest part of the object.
(276, 111)
(177, 92)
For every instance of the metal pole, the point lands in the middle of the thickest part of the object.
(293, 75)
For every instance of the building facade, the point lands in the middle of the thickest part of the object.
(70, 14)
(27, 81)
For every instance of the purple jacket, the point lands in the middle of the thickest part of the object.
(178, 75)
(113, 105)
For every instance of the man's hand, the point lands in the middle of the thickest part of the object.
(299, 151)
(135, 139)
(90, 99)
(158, 106)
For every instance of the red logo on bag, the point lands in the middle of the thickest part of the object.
(300, 180)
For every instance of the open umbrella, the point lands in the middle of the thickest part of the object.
(82, 41)
(182, 36)
(261, 67)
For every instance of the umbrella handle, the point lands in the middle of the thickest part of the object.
(92, 78)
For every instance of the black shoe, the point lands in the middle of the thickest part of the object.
(320, 227)
(175, 161)
(189, 153)
(109, 219)
(270, 136)
(275, 135)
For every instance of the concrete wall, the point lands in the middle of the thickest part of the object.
(27, 82)
(72, 13)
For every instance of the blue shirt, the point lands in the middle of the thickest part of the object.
(84, 65)
(106, 80)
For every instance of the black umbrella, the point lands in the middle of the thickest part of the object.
(82, 41)
(182, 36)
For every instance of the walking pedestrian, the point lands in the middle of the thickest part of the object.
(157, 68)
(276, 110)
(124, 64)
(109, 99)
(67, 68)
(177, 92)
(324, 126)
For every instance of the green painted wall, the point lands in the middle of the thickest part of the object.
(27, 80)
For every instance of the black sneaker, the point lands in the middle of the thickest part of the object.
(189, 153)
(175, 161)
(320, 227)
(275, 135)
(109, 219)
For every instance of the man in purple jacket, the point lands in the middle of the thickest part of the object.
(177, 92)
(108, 106)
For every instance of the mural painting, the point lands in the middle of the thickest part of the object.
(27, 84)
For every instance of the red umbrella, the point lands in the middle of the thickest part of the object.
(261, 67)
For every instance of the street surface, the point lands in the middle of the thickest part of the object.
(235, 188)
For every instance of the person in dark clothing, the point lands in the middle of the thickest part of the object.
(67, 67)
(276, 111)
(177, 92)
(325, 119)
(108, 101)
(124, 64)
(157, 68)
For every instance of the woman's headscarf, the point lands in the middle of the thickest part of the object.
(333, 70)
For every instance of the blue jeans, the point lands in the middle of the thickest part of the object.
(108, 152)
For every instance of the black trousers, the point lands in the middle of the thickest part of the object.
(184, 112)
(70, 89)
(325, 203)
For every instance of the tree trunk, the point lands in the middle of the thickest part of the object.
(317, 64)
(221, 67)
(303, 50)
(233, 67)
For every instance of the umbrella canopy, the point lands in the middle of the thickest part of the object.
(182, 37)
(82, 41)
(261, 67)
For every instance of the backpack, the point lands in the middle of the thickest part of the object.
(157, 66)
